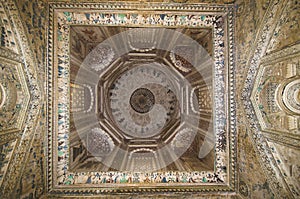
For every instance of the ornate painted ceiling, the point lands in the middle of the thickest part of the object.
(150, 99)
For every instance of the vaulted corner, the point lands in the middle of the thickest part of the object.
(20, 98)
(275, 98)
(271, 98)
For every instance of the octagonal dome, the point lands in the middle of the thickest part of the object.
(142, 97)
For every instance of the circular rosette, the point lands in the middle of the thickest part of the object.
(99, 143)
(291, 96)
(99, 58)
(182, 139)
(182, 58)
(143, 100)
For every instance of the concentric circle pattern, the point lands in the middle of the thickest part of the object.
(291, 95)
(142, 100)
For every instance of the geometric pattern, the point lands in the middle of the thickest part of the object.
(217, 18)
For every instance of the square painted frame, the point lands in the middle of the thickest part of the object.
(63, 15)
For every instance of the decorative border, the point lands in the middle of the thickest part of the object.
(7, 153)
(195, 15)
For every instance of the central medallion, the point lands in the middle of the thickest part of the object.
(142, 100)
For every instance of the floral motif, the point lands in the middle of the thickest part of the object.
(99, 143)
(99, 58)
